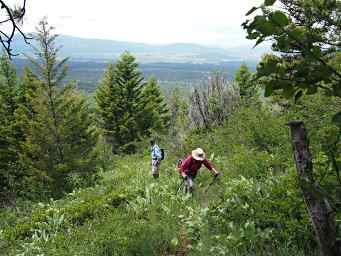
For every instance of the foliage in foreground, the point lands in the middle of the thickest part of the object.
(254, 209)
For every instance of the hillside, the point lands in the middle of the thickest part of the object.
(129, 213)
(254, 208)
(257, 144)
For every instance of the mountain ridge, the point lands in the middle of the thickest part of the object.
(105, 49)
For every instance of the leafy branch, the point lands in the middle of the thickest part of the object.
(306, 34)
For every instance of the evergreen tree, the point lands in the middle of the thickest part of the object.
(120, 104)
(8, 133)
(156, 113)
(60, 136)
(28, 90)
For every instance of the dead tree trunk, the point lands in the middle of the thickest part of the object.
(321, 213)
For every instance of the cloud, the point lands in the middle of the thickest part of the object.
(214, 22)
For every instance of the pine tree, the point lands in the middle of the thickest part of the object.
(155, 116)
(60, 135)
(120, 105)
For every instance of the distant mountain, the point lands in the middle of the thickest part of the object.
(98, 49)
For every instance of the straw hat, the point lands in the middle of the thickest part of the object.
(198, 154)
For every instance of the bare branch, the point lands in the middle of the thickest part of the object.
(15, 16)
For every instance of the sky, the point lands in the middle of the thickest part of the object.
(207, 22)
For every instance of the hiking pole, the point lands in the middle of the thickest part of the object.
(182, 183)
(212, 182)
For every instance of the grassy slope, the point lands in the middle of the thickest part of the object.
(132, 214)
(255, 209)
(128, 214)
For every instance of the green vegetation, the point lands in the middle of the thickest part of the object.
(307, 34)
(75, 172)
(255, 208)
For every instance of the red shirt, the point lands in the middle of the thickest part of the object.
(191, 166)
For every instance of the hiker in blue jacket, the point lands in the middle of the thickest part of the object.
(156, 158)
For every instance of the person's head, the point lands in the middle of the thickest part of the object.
(198, 154)
(152, 142)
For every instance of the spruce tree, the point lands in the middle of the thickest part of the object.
(60, 136)
(8, 140)
(120, 105)
(155, 116)
(28, 91)
(8, 85)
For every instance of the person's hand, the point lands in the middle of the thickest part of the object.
(184, 175)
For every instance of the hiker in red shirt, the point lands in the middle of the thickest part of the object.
(190, 166)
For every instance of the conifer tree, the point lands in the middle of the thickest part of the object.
(156, 113)
(120, 104)
(8, 85)
(8, 156)
(27, 91)
(60, 136)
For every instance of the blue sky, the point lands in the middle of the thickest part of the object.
(208, 22)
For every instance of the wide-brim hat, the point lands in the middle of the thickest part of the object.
(198, 154)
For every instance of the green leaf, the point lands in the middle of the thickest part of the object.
(251, 10)
(266, 28)
(279, 18)
(253, 35)
(337, 119)
(269, 2)
(297, 33)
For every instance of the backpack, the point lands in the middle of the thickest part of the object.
(162, 154)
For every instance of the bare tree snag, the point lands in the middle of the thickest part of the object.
(321, 213)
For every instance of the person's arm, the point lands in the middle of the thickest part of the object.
(210, 167)
(185, 166)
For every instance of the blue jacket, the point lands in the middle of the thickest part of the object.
(156, 152)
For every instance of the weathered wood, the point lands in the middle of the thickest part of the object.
(321, 213)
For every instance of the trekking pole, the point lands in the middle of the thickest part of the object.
(181, 184)
(212, 182)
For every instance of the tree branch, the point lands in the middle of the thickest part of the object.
(14, 17)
